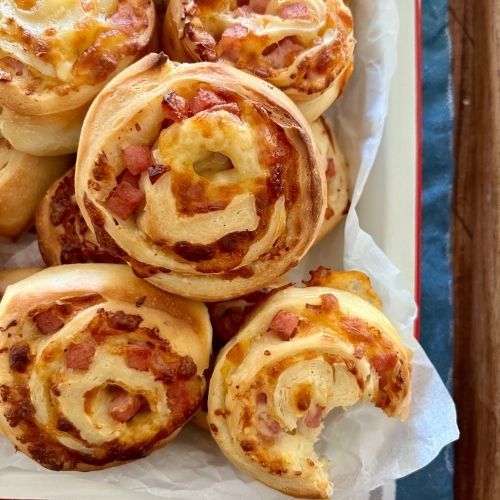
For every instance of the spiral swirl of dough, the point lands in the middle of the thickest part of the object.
(55, 56)
(304, 47)
(205, 179)
(301, 354)
(97, 367)
(337, 174)
(63, 236)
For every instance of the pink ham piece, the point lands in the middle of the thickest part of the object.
(124, 18)
(163, 369)
(284, 324)
(137, 158)
(268, 427)
(295, 11)
(124, 200)
(329, 302)
(174, 107)
(124, 406)
(132, 179)
(384, 361)
(48, 322)
(79, 356)
(313, 417)
(284, 53)
(231, 40)
(138, 357)
(205, 99)
(357, 329)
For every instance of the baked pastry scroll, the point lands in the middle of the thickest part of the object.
(23, 181)
(300, 355)
(97, 367)
(63, 235)
(337, 175)
(205, 179)
(304, 47)
(55, 57)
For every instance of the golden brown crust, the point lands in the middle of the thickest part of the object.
(97, 367)
(23, 181)
(223, 217)
(11, 276)
(54, 59)
(305, 47)
(63, 236)
(302, 353)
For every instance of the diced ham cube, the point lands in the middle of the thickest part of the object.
(48, 322)
(284, 324)
(137, 158)
(205, 99)
(174, 107)
(124, 17)
(268, 427)
(384, 361)
(313, 417)
(126, 176)
(124, 200)
(329, 302)
(79, 356)
(138, 357)
(295, 11)
(231, 40)
(283, 54)
(124, 406)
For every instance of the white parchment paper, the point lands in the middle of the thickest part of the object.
(366, 448)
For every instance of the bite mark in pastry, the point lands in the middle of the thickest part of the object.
(55, 57)
(205, 179)
(304, 47)
(97, 367)
(301, 354)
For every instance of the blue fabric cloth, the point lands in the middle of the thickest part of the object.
(435, 482)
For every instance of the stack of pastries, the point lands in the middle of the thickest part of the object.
(204, 172)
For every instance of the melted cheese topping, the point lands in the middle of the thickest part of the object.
(78, 401)
(50, 36)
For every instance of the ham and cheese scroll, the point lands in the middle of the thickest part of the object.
(301, 354)
(23, 181)
(304, 47)
(337, 175)
(63, 236)
(205, 179)
(97, 367)
(55, 56)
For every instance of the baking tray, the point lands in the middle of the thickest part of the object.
(390, 210)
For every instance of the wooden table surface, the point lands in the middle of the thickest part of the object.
(475, 31)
